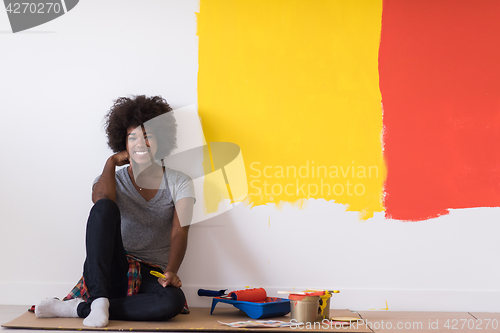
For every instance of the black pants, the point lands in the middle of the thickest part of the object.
(105, 272)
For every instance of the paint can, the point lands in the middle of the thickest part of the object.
(304, 308)
(324, 304)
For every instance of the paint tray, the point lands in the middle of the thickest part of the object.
(271, 307)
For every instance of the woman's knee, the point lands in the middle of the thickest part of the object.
(106, 205)
(172, 300)
(104, 210)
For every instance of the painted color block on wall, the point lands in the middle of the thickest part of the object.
(440, 83)
(295, 84)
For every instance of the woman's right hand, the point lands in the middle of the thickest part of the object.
(105, 188)
(120, 158)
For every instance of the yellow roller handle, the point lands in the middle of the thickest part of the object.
(157, 274)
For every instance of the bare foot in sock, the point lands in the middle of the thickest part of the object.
(99, 313)
(52, 308)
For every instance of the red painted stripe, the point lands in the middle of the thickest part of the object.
(439, 67)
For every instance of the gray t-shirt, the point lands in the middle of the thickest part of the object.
(147, 225)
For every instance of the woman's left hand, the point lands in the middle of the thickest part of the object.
(171, 279)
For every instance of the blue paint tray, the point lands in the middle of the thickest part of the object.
(271, 307)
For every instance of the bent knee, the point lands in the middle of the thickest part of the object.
(172, 300)
(105, 210)
(105, 204)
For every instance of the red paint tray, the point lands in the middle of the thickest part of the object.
(271, 307)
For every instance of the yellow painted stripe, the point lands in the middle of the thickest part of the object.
(295, 84)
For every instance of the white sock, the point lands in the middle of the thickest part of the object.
(52, 308)
(99, 313)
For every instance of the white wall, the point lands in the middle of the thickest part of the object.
(57, 82)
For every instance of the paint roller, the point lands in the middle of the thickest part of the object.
(246, 295)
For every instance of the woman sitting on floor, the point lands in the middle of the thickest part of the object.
(139, 223)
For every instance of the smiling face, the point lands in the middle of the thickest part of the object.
(141, 145)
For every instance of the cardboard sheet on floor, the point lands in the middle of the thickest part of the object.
(436, 322)
(198, 320)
